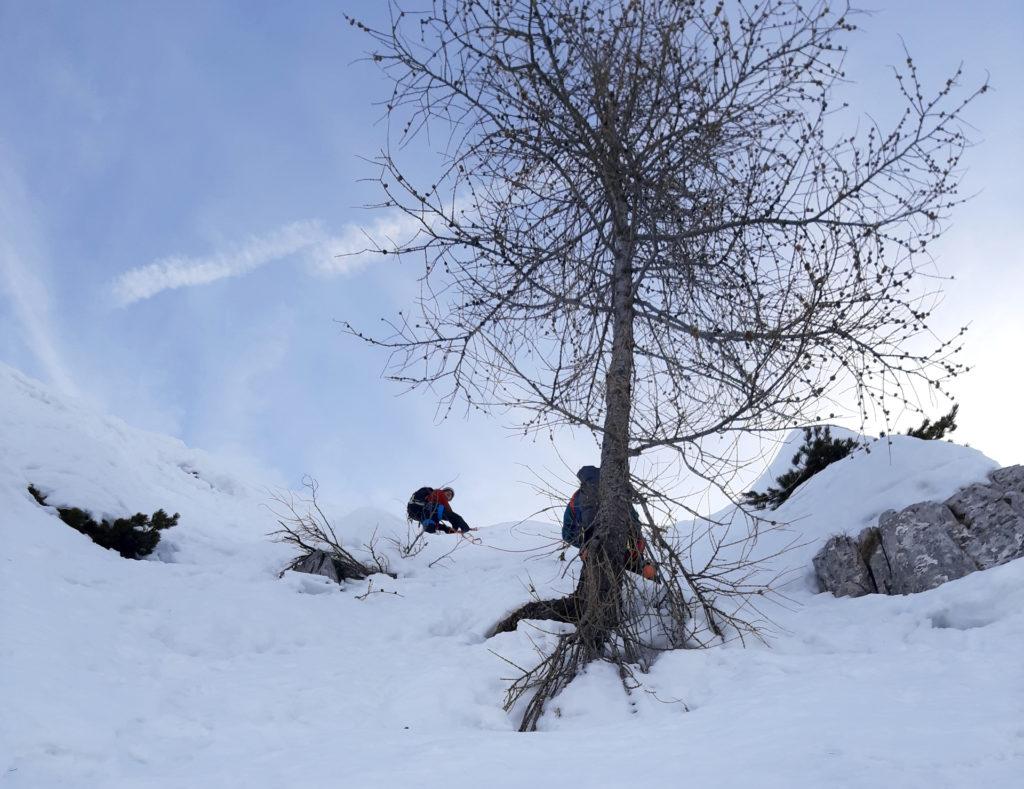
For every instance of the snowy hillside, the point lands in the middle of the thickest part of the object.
(199, 667)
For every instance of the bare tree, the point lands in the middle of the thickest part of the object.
(643, 223)
(305, 526)
(413, 543)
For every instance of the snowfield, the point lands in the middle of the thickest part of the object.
(200, 667)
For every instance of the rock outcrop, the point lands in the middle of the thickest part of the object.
(840, 562)
(321, 563)
(929, 543)
(339, 566)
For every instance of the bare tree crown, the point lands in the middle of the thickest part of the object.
(766, 261)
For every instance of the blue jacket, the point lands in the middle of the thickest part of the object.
(579, 515)
(581, 512)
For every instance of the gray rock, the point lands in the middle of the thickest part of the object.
(921, 550)
(1010, 478)
(990, 520)
(887, 516)
(841, 570)
(320, 563)
(928, 544)
(869, 544)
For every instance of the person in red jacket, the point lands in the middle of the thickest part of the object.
(432, 506)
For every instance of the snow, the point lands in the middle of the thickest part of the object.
(200, 667)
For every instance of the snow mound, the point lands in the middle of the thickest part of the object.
(889, 473)
(201, 667)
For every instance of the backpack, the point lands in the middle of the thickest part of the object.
(571, 523)
(418, 509)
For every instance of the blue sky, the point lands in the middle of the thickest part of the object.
(177, 177)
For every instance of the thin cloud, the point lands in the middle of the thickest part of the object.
(177, 271)
(31, 307)
(354, 248)
(25, 290)
(325, 254)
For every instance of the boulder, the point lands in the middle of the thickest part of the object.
(320, 563)
(1010, 478)
(989, 523)
(919, 545)
(929, 543)
(869, 543)
(841, 570)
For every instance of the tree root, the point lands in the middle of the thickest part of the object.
(561, 609)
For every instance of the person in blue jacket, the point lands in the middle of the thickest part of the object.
(579, 522)
(581, 512)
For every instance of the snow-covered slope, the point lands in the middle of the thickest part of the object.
(201, 668)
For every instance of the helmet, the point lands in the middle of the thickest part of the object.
(449, 492)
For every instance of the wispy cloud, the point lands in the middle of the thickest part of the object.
(31, 307)
(351, 250)
(20, 262)
(180, 272)
(325, 254)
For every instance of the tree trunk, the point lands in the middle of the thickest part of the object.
(599, 589)
(614, 491)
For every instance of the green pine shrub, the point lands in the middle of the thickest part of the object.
(932, 431)
(818, 451)
(132, 537)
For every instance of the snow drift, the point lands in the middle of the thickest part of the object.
(201, 667)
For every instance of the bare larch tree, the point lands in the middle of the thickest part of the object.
(643, 223)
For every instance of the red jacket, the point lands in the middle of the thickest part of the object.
(438, 497)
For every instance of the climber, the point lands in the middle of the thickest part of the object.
(431, 506)
(579, 523)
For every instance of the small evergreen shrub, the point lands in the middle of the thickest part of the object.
(818, 451)
(132, 537)
(932, 431)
